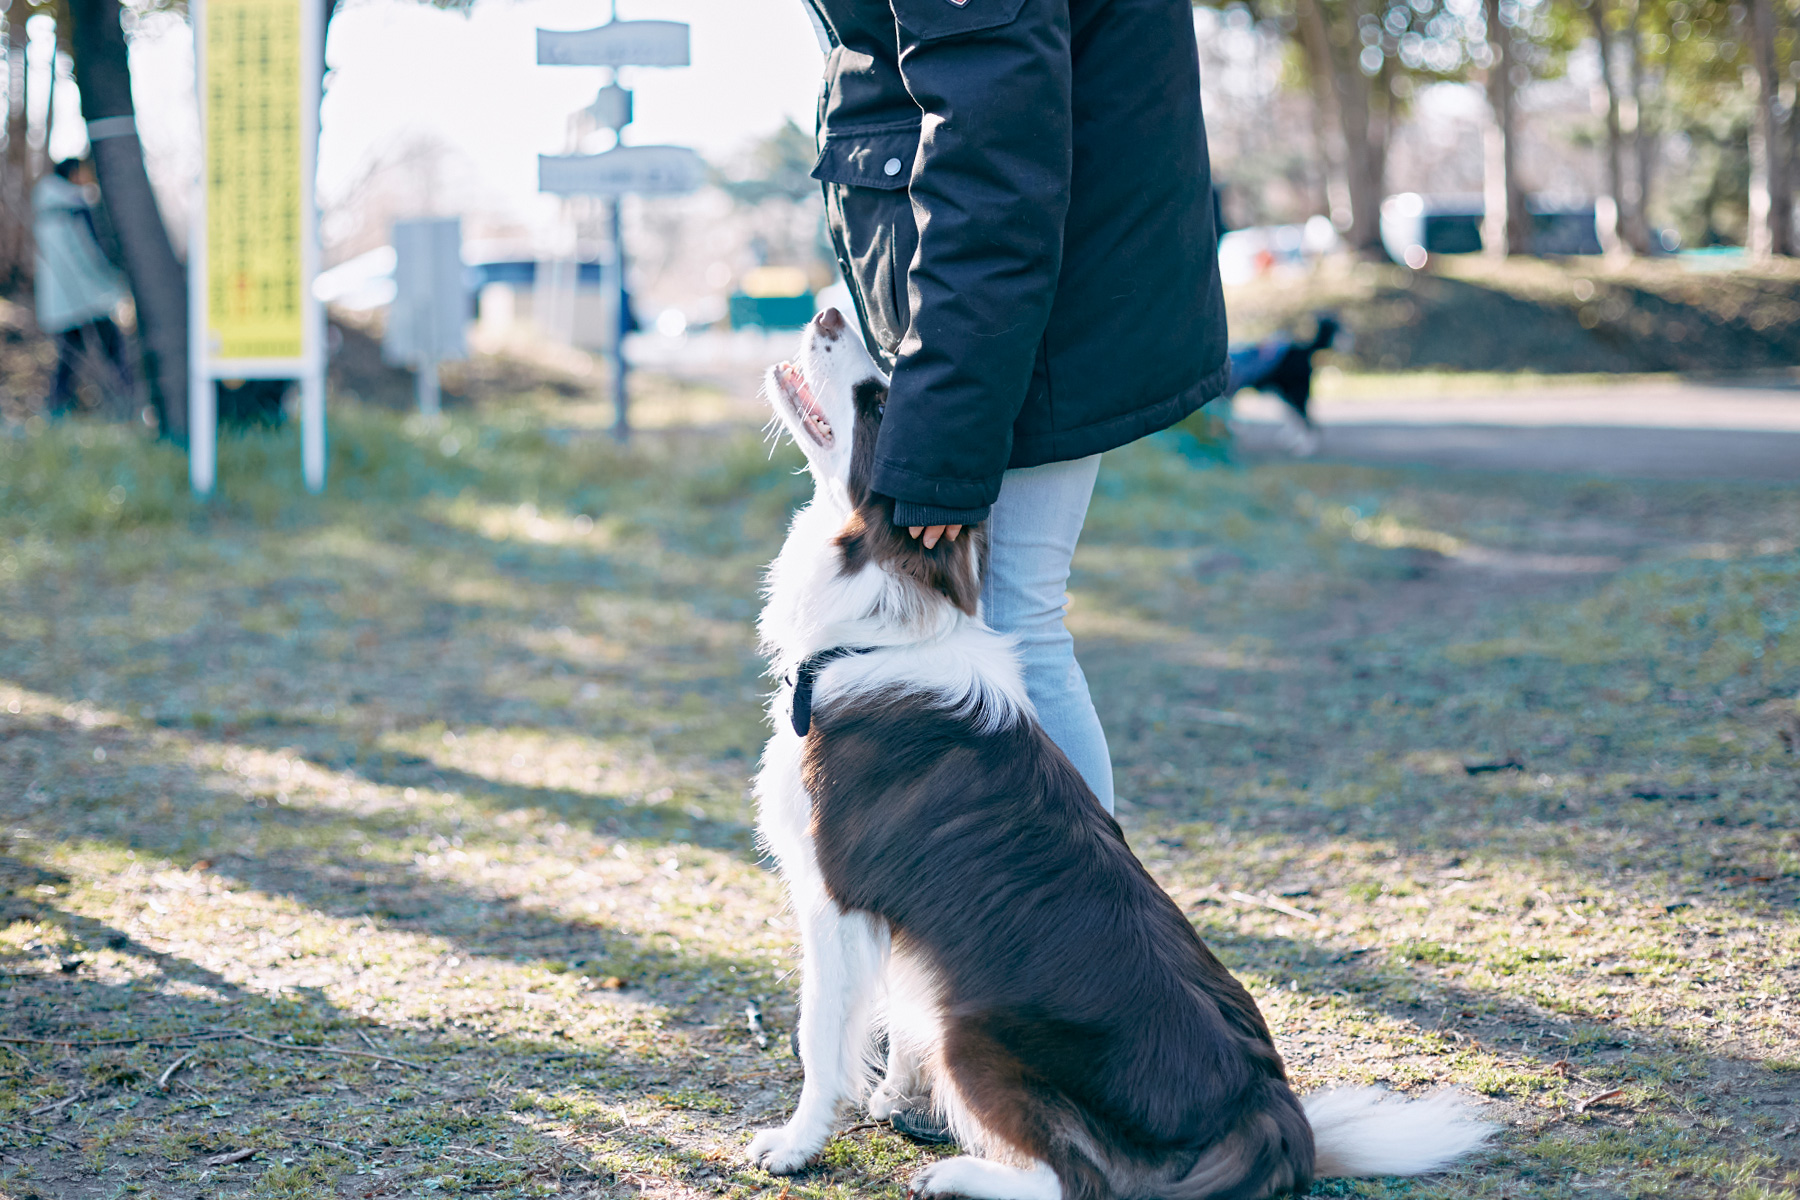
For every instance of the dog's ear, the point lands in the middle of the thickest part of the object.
(950, 568)
(870, 400)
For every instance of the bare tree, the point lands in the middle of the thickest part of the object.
(1360, 100)
(1506, 228)
(1615, 207)
(21, 169)
(1771, 187)
(1640, 132)
(158, 281)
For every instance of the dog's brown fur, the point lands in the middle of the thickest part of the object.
(952, 567)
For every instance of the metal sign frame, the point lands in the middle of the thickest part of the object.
(616, 44)
(425, 321)
(204, 368)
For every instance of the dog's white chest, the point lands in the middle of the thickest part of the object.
(783, 808)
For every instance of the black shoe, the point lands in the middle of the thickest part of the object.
(921, 1125)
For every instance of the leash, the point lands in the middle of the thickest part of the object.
(807, 674)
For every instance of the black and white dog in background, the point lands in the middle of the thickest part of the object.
(957, 884)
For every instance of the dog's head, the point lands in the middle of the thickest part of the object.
(831, 399)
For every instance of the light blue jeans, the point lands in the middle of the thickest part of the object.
(1032, 531)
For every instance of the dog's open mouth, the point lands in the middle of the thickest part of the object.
(799, 397)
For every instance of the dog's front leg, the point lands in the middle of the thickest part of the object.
(844, 955)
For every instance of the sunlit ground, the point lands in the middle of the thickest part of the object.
(437, 787)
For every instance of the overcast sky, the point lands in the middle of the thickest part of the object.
(401, 69)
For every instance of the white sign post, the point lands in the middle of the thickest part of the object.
(426, 321)
(253, 245)
(623, 170)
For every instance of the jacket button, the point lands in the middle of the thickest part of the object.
(891, 167)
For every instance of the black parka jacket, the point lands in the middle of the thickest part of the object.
(1020, 199)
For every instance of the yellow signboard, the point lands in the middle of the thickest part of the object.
(255, 265)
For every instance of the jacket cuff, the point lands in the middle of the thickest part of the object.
(907, 514)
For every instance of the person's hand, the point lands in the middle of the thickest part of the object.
(934, 532)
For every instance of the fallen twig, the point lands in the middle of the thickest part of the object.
(479, 1150)
(251, 1037)
(1566, 1069)
(162, 1081)
(307, 1137)
(40, 1132)
(147, 1039)
(1584, 1104)
(860, 1126)
(1269, 902)
(41, 1109)
(229, 1157)
(25, 1041)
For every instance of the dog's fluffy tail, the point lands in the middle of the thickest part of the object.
(1367, 1131)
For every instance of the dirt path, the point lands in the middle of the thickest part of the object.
(1648, 429)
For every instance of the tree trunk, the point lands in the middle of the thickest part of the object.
(1364, 133)
(1315, 46)
(1771, 191)
(1505, 229)
(1640, 141)
(1610, 210)
(16, 244)
(158, 281)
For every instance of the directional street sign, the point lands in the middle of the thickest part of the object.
(623, 170)
(611, 109)
(637, 170)
(616, 44)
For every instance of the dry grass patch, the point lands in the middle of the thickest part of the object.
(397, 843)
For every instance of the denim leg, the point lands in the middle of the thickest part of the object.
(1032, 532)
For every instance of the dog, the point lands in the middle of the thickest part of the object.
(1283, 367)
(957, 885)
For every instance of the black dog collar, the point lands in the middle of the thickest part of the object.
(807, 673)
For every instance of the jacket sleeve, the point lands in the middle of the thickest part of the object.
(989, 192)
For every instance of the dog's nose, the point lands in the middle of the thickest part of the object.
(830, 323)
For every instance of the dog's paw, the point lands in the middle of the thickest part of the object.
(966, 1175)
(947, 1177)
(782, 1151)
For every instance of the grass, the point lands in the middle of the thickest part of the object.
(1475, 779)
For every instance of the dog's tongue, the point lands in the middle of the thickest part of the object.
(796, 383)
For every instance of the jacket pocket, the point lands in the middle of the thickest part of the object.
(931, 19)
(876, 235)
(872, 158)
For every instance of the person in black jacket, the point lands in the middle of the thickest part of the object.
(1020, 200)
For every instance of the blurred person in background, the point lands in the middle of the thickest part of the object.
(1019, 196)
(78, 288)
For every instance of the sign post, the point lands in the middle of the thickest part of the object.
(622, 170)
(431, 303)
(253, 245)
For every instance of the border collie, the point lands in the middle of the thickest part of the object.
(958, 885)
